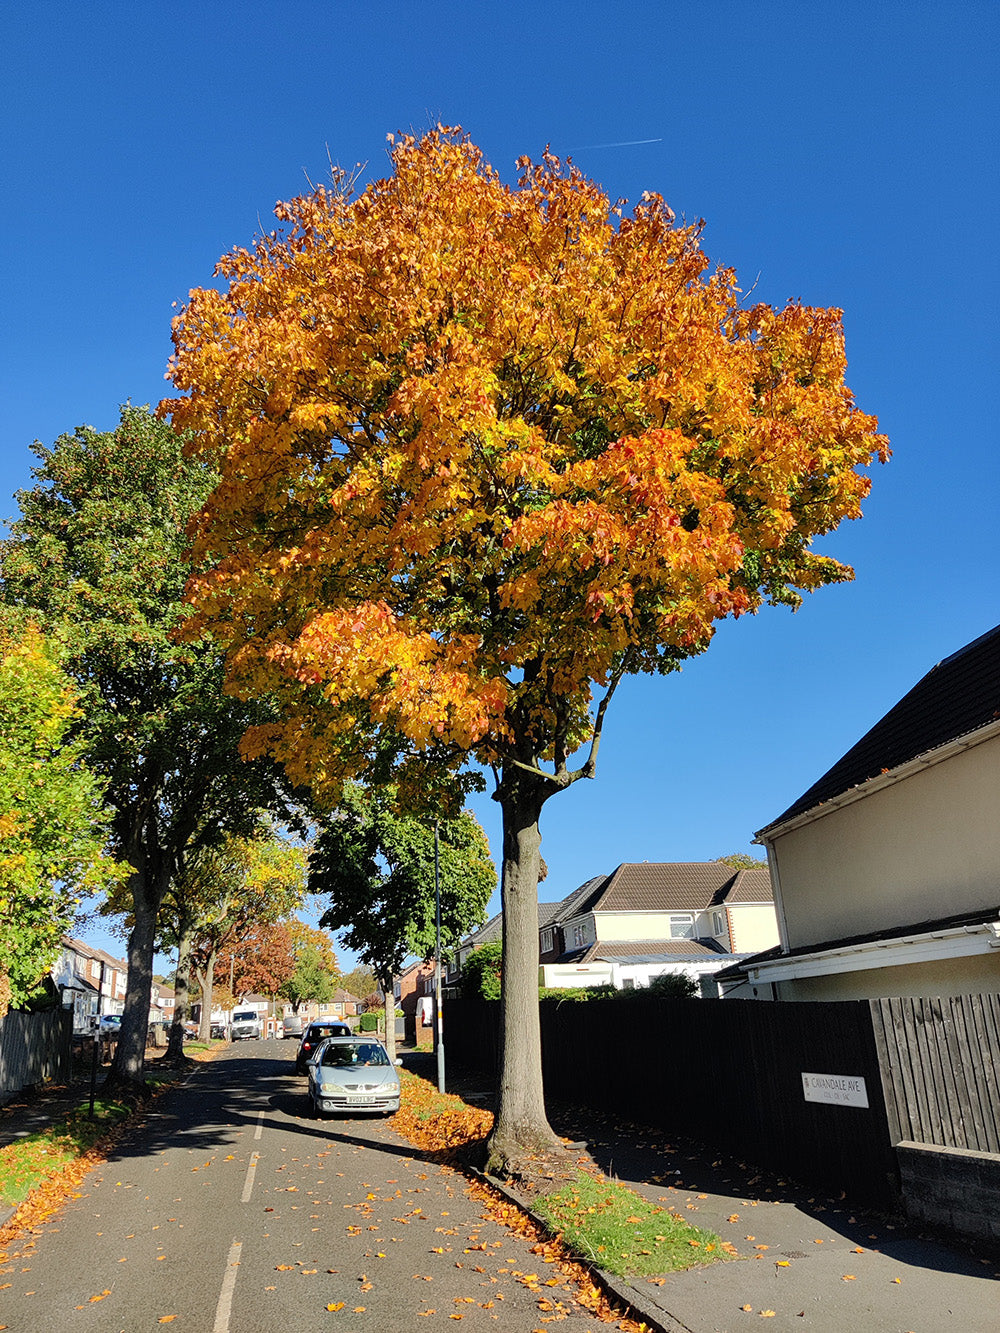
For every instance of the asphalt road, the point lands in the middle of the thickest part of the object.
(233, 1210)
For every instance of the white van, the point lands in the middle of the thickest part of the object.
(246, 1025)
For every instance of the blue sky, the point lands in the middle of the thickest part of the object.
(841, 154)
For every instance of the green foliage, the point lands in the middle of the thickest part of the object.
(560, 993)
(376, 867)
(482, 972)
(672, 986)
(53, 827)
(311, 980)
(360, 981)
(368, 1022)
(742, 861)
(98, 556)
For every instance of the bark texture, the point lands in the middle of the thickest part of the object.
(521, 1125)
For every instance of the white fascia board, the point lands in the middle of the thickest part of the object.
(956, 942)
(766, 835)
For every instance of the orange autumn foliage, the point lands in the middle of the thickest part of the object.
(483, 448)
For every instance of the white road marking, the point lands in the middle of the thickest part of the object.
(248, 1183)
(260, 1125)
(225, 1307)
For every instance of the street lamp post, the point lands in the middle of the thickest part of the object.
(437, 964)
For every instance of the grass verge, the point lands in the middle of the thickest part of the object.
(30, 1162)
(597, 1219)
(619, 1230)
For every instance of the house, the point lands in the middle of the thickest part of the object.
(649, 918)
(885, 870)
(92, 982)
(490, 933)
(163, 1003)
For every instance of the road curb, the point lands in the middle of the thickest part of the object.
(639, 1304)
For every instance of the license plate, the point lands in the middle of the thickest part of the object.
(361, 1101)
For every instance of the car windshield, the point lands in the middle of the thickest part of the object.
(244, 1017)
(342, 1054)
(327, 1030)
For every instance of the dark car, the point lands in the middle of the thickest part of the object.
(292, 1027)
(315, 1033)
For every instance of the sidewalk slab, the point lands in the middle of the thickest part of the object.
(805, 1261)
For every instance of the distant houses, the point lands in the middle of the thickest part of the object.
(646, 919)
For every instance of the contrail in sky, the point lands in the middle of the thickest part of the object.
(625, 143)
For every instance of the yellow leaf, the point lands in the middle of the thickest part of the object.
(336, 1305)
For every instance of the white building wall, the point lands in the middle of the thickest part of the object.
(923, 847)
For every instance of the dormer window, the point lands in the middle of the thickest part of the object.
(681, 926)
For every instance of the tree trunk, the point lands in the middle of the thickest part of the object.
(521, 1126)
(126, 1077)
(206, 980)
(182, 992)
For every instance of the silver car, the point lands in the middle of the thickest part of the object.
(348, 1074)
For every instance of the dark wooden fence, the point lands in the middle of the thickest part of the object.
(34, 1048)
(727, 1072)
(941, 1067)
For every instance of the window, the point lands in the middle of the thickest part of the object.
(718, 925)
(579, 936)
(546, 940)
(628, 983)
(681, 927)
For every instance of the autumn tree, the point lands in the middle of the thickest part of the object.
(483, 451)
(375, 866)
(260, 961)
(245, 884)
(98, 556)
(53, 824)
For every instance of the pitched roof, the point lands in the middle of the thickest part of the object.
(493, 928)
(670, 886)
(958, 696)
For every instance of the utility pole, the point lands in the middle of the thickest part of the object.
(437, 964)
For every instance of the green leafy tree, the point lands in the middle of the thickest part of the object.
(98, 555)
(315, 974)
(360, 981)
(376, 867)
(742, 861)
(482, 972)
(53, 827)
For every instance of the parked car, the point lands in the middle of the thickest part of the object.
(313, 1035)
(351, 1074)
(292, 1026)
(246, 1025)
(110, 1025)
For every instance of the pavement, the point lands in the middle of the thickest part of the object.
(803, 1261)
